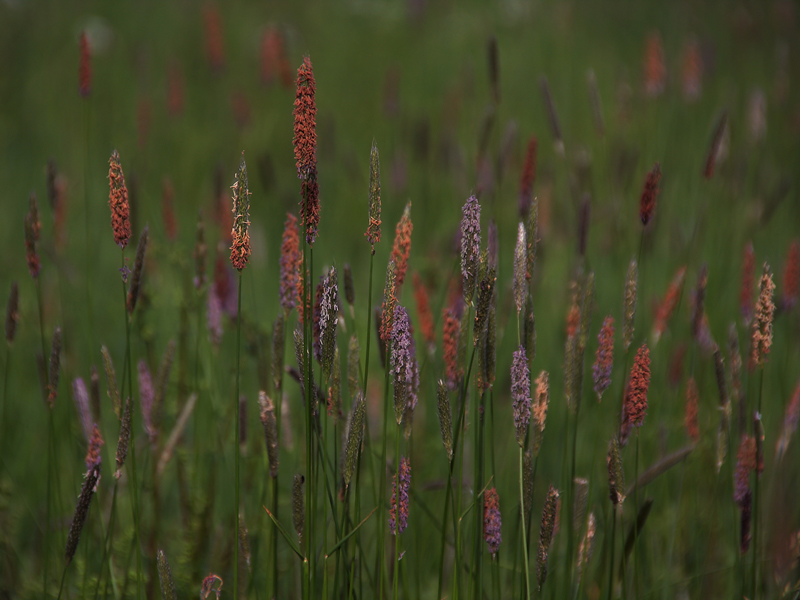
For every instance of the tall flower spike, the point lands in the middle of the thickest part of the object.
(521, 393)
(690, 421)
(604, 360)
(629, 311)
(424, 315)
(373, 232)
(552, 116)
(354, 437)
(636, 399)
(240, 249)
(402, 361)
(647, 203)
(305, 148)
(762, 325)
(118, 202)
(328, 318)
(520, 269)
(270, 431)
(402, 247)
(290, 263)
(85, 68)
(540, 403)
(398, 513)
(389, 302)
(546, 534)
(492, 522)
(90, 481)
(470, 246)
(527, 179)
(32, 231)
(165, 577)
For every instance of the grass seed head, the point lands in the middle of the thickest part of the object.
(492, 522)
(165, 577)
(118, 202)
(240, 234)
(373, 232)
(124, 437)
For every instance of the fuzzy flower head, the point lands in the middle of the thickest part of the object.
(118, 202)
(647, 203)
(374, 228)
(451, 331)
(398, 513)
(520, 268)
(290, 263)
(636, 399)
(305, 148)
(491, 521)
(93, 457)
(240, 250)
(604, 360)
(470, 246)
(402, 361)
(402, 247)
(521, 393)
(762, 324)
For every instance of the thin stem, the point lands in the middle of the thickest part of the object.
(636, 517)
(755, 497)
(611, 551)
(237, 450)
(397, 513)
(132, 463)
(524, 544)
(49, 500)
(106, 542)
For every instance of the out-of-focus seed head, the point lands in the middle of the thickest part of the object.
(492, 522)
(629, 311)
(374, 228)
(636, 398)
(269, 422)
(604, 359)
(690, 421)
(520, 269)
(354, 437)
(138, 268)
(540, 404)
(55, 367)
(521, 394)
(165, 577)
(298, 516)
(12, 313)
(445, 418)
(124, 437)
(546, 534)
(470, 246)
(616, 476)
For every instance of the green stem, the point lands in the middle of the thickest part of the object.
(611, 551)
(237, 450)
(524, 544)
(107, 540)
(132, 463)
(755, 498)
(636, 517)
(49, 500)
(396, 569)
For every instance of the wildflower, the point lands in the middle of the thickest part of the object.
(762, 324)
(690, 420)
(424, 315)
(373, 232)
(240, 249)
(521, 393)
(546, 533)
(118, 202)
(629, 312)
(402, 247)
(305, 148)
(636, 398)
(647, 203)
(667, 306)
(470, 246)
(655, 73)
(402, 367)
(540, 403)
(604, 361)
(398, 513)
(491, 521)
(520, 268)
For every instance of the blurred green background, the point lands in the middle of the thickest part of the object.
(414, 77)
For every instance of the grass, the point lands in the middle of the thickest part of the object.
(416, 80)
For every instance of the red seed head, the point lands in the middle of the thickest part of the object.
(214, 44)
(305, 125)
(85, 68)
(402, 247)
(647, 202)
(240, 250)
(118, 202)
(655, 73)
(636, 399)
(290, 263)
(669, 303)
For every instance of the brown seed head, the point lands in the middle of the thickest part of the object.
(118, 202)
(445, 419)
(761, 340)
(354, 437)
(647, 202)
(240, 250)
(690, 421)
(667, 306)
(165, 577)
(111, 380)
(527, 179)
(546, 533)
(655, 73)
(636, 399)
(298, 516)
(540, 402)
(389, 302)
(373, 232)
(402, 247)
(90, 481)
